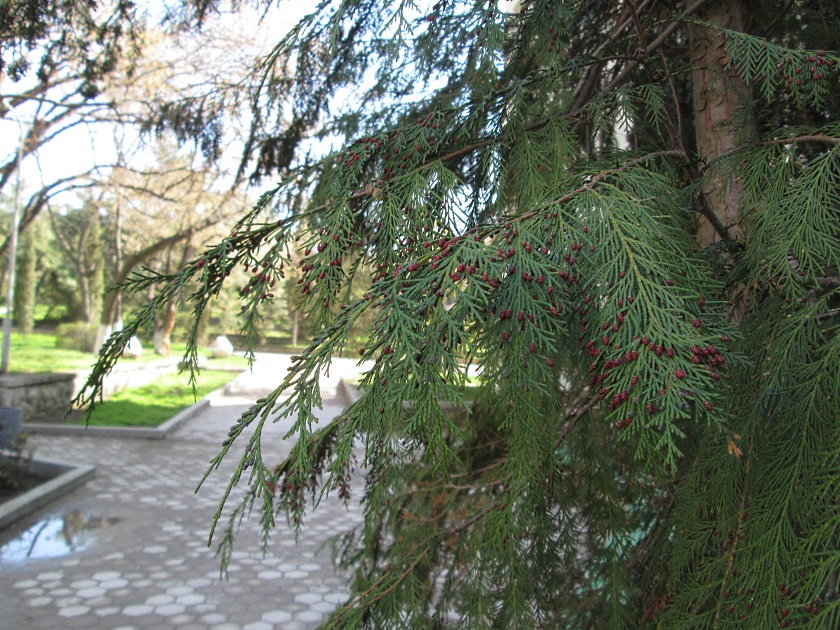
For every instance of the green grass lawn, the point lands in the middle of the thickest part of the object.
(150, 405)
(37, 353)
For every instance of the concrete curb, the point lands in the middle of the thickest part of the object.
(69, 476)
(351, 393)
(144, 433)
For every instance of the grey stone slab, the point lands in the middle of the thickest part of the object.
(65, 477)
(150, 558)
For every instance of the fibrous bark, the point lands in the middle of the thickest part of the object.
(718, 94)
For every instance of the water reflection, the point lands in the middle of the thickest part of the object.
(55, 536)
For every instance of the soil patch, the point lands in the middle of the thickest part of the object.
(23, 483)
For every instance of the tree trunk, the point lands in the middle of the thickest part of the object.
(116, 317)
(25, 284)
(294, 329)
(718, 95)
(163, 331)
(84, 295)
(163, 327)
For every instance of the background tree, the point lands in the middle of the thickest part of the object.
(100, 67)
(162, 212)
(79, 236)
(25, 285)
(55, 62)
(56, 291)
(625, 217)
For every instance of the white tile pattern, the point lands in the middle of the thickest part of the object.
(149, 566)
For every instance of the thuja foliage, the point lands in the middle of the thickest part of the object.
(624, 218)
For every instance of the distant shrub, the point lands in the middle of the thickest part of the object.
(75, 336)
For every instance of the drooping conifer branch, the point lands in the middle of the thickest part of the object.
(560, 424)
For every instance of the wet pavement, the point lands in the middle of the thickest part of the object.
(129, 548)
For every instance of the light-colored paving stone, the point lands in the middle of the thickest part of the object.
(73, 611)
(277, 616)
(104, 576)
(147, 564)
(160, 600)
(170, 610)
(49, 577)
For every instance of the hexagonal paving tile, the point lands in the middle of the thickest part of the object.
(182, 619)
(310, 567)
(154, 549)
(308, 598)
(166, 578)
(336, 598)
(138, 610)
(277, 616)
(323, 607)
(103, 576)
(48, 577)
(269, 575)
(160, 600)
(90, 593)
(190, 600)
(198, 582)
(73, 611)
(170, 610)
(204, 608)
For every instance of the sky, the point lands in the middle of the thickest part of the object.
(84, 147)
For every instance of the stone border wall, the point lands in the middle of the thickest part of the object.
(63, 477)
(145, 433)
(37, 395)
(46, 395)
(128, 374)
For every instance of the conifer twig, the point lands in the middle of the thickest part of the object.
(449, 533)
(597, 177)
(828, 315)
(575, 416)
(814, 137)
(656, 43)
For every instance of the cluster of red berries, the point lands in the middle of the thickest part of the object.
(217, 273)
(264, 277)
(429, 121)
(292, 494)
(816, 74)
(794, 75)
(623, 424)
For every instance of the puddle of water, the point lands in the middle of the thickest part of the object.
(55, 536)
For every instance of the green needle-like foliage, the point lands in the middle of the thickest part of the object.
(527, 198)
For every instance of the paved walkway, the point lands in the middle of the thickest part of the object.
(139, 557)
